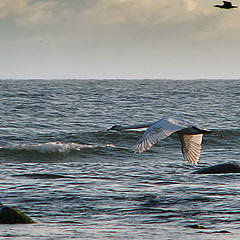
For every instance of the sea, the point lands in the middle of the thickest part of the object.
(76, 180)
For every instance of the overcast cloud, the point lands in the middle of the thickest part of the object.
(118, 39)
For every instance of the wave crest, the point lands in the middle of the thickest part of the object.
(53, 147)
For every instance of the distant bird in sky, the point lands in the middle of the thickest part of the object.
(226, 5)
(190, 135)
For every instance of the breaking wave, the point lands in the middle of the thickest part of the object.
(36, 150)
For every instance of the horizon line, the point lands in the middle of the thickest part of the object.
(129, 79)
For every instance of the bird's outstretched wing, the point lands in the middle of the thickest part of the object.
(191, 147)
(227, 4)
(158, 131)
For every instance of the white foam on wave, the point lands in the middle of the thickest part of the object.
(56, 147)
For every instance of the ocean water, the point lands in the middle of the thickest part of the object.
(61, 166)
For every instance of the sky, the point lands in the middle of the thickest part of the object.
(115, 39)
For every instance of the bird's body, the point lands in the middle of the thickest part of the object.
(190, 135)
(226, 5)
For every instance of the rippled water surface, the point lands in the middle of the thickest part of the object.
(60, 166)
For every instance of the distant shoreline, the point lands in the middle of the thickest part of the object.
(117, 79)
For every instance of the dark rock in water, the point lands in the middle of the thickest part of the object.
(230, 167)
(9, 215)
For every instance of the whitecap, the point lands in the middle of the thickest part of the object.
(55, 147)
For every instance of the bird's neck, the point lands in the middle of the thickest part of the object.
(137, 126)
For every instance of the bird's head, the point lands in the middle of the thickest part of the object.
(115, 128)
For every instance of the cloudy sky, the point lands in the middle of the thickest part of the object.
(177, 39)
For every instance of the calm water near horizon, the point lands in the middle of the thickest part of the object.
(61, 166)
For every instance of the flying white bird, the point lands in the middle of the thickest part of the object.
(190, 135)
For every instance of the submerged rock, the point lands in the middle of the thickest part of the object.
(229, 167)
(9, 215)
